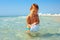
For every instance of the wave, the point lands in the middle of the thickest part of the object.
(48, 14)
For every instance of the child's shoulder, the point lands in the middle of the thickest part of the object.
(28, 16)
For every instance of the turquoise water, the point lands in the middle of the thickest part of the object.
(13, 28)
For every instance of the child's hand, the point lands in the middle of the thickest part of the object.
(34, 24)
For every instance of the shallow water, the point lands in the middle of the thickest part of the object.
(13, 28)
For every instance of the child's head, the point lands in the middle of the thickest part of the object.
(34, 8)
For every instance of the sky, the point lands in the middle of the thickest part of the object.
(21, 7)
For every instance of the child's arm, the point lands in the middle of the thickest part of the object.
(38, 21)
(28, 22)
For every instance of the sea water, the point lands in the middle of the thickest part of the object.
(13, 28)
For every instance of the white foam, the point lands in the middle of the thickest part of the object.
(48, 14)
(5, 19)
(17, 22)
(22, 17)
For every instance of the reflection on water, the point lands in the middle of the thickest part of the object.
(13, 28)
